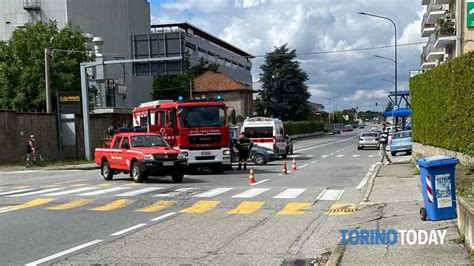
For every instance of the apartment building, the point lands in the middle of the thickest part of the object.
(448, 26)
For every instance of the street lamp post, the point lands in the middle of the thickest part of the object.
(396, 59)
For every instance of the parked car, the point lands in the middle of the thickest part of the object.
(369, 139)
(401, 142)
(374, 128)
(347, 128)
(262, 155)
(289, 144)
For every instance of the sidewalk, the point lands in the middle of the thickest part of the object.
(394, 203)
(85, 166)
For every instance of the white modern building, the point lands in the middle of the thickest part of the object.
(113, 20)
(448, 28)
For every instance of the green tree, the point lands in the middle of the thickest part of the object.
(389, 107)
(22, 63)
(173, 86)
(284, 92)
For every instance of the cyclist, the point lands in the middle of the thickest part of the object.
(31, 146)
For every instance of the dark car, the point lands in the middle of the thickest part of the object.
(262, 155)
(289, 144)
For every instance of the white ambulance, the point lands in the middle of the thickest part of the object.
(267, 132)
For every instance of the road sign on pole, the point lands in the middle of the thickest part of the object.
(470, 13)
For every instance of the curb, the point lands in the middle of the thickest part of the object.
(336, 256)
(75, 168)
(371, 182)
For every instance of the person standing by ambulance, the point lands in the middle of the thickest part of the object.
(244, 145)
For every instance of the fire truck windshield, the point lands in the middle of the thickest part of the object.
(148, 141)
(202, 116)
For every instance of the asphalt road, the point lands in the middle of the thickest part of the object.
(76, 217)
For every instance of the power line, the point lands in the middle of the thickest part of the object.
(350, 50)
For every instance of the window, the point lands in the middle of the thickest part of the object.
(161, 118)
(148, 141)
(125, 143)
(259, 132)
(117, 142)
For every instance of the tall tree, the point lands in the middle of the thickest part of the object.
(284, 92)
(389, 107)
(173, 86)
(22, 64)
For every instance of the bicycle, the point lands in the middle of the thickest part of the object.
(29, 160)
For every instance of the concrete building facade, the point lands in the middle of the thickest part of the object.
(446, 27)
(113, 20)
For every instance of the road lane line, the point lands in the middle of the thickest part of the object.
(174, 193)
(260, 182)
(247, 207)
(355, 155)
(321, 194)
(31, 203)
(157, 206)
(73, 181)
(22, 187)
(201, 206)
(139, 191)
(324, 156)
(332, 194)
(76, 190)
(366, 177)
(340, 156)
(14, 191)
(251, 193)
(213, 192)
(310, 155)
(315, 161)
(126, 230)
(70, 205)
(325, 144)
(116, 204)
(43, 191)
(295, 208)
(65, 252)
(103, 191)
(80, 185)
(303, 166)
(290, 193)
(163, 216)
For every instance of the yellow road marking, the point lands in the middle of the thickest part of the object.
(50, 186)
(31, 203)
(247, 207)
(295, 208)
(342, 209)
(201, 206)
(69, 205)
(134, 184)
(116, 204)
(157, 206)
(105, 185)
(22, 187)
(79, 185)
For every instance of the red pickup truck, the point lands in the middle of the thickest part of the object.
(140, 155)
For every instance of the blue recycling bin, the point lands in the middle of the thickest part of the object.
(438, 186)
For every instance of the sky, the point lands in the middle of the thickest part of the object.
(348, 79)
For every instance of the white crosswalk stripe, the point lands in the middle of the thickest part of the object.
(355, 155)
(139, 191)
(340, 156)
(213, 192)
(14, 191)
(251, 193)
(35, 192)
(103, 191)
(174, 193)
(290, 193)
(331, 194)
(71, 191)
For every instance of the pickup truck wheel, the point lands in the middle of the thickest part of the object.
(138, 175)
(177, 178)
(107, 173)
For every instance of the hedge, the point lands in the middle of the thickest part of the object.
(303, 127)
(442, 102)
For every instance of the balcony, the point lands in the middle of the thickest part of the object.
(425, 2)
(30, 5)
(442, 2)
(427, 30)
(428, 65)
(445, 34)
(433, 13)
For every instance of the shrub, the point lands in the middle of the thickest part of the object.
(442, 102)
(303, 127)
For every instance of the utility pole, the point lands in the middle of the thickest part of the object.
(190, 88)
(47, 79)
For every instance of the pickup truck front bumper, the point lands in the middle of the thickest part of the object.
(163, 168)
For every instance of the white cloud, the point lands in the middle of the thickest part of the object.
(367, 95)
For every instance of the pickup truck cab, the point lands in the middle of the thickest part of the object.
(140, 155)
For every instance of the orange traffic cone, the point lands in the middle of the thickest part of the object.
(251, 178)
(293, 166)
(284, 171)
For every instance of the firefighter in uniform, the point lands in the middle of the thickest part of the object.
(244, 145)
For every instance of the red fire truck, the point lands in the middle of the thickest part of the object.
(198, 127)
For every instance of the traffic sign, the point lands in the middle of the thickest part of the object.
(470, 13)
(395, 108)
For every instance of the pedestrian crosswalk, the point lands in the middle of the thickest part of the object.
(200, 200)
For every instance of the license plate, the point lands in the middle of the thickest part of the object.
(168, 163)
(205, 153)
